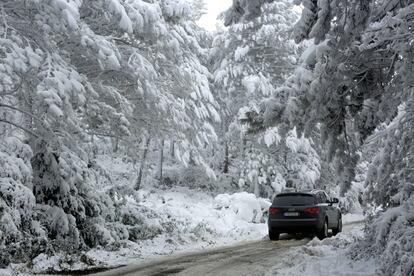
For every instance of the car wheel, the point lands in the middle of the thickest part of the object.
(324, 232)
(273, 236)
(339, 228)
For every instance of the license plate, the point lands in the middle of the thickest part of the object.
(291, 214)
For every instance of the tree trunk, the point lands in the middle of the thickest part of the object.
(26, 103)
(191, 160)
(161, 159)
(226, 157)
(172, 149)
(256, 187)
(116, 146)
(141, 168)
(244, 143)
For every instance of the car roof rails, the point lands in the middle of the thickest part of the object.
(295, 190)
(289, 190)
(311, 191)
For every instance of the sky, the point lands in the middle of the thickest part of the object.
(214, 8)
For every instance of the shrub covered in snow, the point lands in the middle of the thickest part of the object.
(188, 176)
(390, 236)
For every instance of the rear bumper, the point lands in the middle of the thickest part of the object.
(308, 225)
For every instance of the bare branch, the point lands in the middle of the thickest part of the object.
(22, 111)
(105, 135)
(42, 123)
(20, 127)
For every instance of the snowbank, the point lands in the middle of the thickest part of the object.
(327, 257)
(199, 218)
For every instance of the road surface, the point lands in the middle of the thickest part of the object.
(253, 258)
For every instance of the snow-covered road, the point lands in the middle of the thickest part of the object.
(253, 258)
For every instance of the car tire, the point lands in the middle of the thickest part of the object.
(273, 236)
(324, 231)
(338, 229)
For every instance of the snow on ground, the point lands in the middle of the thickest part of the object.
(5, 272)
(196, 221)
(352, 218)
(201, 221)
(327, 257)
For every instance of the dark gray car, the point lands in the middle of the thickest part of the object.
(304, 212)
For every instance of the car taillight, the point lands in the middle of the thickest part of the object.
(273, 210)
(312, 210)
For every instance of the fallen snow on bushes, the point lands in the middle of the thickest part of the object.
(330, 256)
(181, 220)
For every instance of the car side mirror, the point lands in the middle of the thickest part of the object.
(335, 200)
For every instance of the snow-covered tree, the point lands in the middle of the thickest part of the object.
(76, 75)
(352, 82)
(249, 61)
(336, 85)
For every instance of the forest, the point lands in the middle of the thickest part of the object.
(111, 109)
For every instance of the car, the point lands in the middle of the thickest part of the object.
(305, 212)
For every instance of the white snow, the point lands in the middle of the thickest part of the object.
(327, 257)
(278, 183)
(196, 221)
(251, 83)
(240, 53)
(352, 218)
(272, 136)
(255, 84)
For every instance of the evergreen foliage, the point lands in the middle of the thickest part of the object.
(356, 84)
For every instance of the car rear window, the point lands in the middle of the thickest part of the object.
(294, 200)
